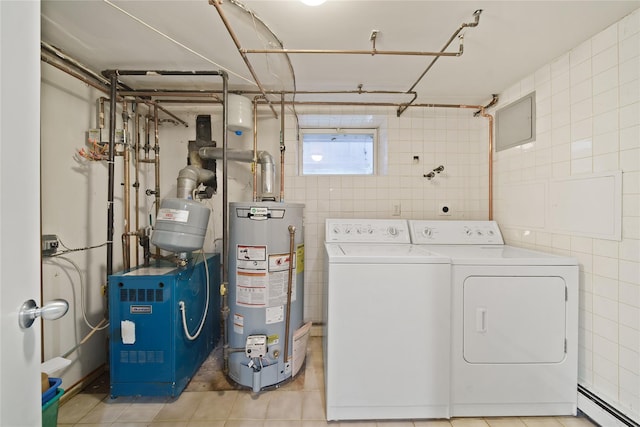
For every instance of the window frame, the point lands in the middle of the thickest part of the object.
(362, 131)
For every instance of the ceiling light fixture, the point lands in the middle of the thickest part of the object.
(313, 2)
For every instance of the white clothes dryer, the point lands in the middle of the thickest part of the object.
(386, 338)
(514, 322)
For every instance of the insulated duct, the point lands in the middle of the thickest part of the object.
(189, 178)
(267, 167)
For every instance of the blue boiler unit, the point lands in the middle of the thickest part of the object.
(154, 349)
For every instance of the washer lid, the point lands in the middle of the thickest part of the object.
(382, 253)
(498, 255)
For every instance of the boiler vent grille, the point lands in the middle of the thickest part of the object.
(141, 295)
(142, 356)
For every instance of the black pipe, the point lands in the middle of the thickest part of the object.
(112, 138)
(161, 73)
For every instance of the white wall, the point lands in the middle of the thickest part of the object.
(449, 137)
(588, 121)
(74, 207)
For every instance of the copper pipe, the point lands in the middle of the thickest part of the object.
(101, 113)
(126, 248)
(106, 90)
(217, 5)
(72, 73)
(66, 58)
(282, 149)
(147, 160)
(168, 113)
(214, 93)
(146, 147)
(354, 52)
(254, 165)
(379, 104)
(490, 117)
(476, 15)
(494, 101)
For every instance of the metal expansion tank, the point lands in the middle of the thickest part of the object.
(261, 324)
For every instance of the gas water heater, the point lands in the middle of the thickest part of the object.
(266, 292)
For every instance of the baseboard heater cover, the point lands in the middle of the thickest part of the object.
(600, 411)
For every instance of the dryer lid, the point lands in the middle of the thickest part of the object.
(498, 255)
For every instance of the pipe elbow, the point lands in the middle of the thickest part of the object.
(189, 178)
(264, 158)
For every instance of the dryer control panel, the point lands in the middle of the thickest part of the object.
(367, 231)
(424, 232)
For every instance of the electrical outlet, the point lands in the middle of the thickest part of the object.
(444, 209)
(397, 209)
(50, 244)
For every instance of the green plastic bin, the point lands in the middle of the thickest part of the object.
(50, 410)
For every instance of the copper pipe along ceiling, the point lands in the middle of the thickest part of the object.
(372, 52)
(66, 58)
(105, 89)
(476, 14)
(72, 73)
(225, 21)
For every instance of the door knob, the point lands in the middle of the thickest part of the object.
(52, 310)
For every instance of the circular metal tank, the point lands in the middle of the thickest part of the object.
(259, 262)
(181, 225)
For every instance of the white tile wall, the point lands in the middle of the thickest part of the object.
(588, 120)
(450, 137)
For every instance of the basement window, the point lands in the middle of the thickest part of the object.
(338, 151)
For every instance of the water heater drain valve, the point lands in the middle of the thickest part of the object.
(256, 346)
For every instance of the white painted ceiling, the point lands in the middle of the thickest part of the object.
(513, 39)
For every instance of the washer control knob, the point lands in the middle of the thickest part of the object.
(392, 231)
(427, 232)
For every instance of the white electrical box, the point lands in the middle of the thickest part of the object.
(256, 346)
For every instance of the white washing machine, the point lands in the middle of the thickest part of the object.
(514, 322)
(386, 338)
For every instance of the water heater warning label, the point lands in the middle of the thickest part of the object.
(251, 276)
(262, 279)
(238, 324)
(279, 279)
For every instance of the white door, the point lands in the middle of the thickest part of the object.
(20, 394)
